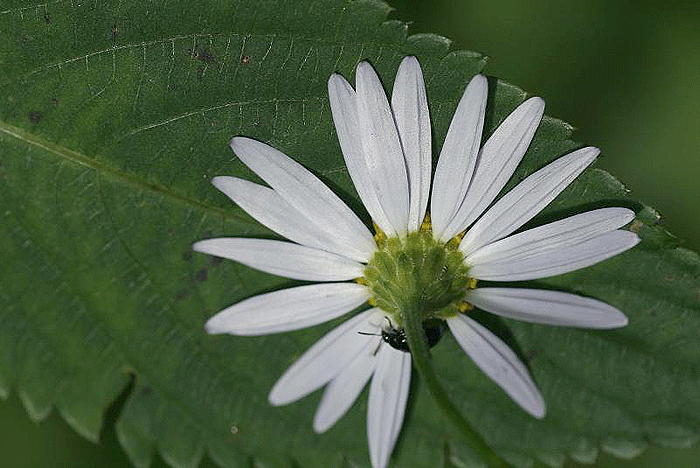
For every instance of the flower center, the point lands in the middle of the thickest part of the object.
(417, 271)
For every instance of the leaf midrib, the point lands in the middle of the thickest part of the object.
(103, 169)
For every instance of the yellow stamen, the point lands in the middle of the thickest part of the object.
(464, 306)
(453, 243)
(379, 236)
(426, 225)
(460, 236)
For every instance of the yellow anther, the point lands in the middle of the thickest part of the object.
(379, 236)
(456, 240)
(426, 225)
(372, 302)
(471, 283)
(453, 243)
(464, 306)
(361, 280)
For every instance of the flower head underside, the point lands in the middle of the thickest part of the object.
(436, 260)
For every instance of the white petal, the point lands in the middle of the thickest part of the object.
(547, 307)
(347, 126)
(497, 161)
(271, 210)
(283, 258)
(388, 393)
(344, 389)
(455, 167)
(326, 358)
(552, 236)
(498, 362)
(288, 309)
(545, 261)
(547, 240)
(301, 189)
(410, 106)
(382, 149)
(527, 199)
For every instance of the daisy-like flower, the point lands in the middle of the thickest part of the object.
(413, 261)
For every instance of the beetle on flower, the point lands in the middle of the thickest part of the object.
(414, 261)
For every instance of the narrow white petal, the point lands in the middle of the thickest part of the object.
(549, 243)
(410, 106)
(347, 125)
(552, 236)
(547, 307)
(497, 161)
(305, 192)
(388, 393)
(455, 167)
(326, 358)
(382, 149)
(544, 261)
(288, 309)
(527, 199)
(283, 258)
(344, 389)
(271, 210)
(498, 362)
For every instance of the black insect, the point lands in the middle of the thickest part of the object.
(396, 337)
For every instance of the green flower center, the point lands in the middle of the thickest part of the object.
(417, 271)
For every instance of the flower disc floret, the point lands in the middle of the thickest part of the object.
(417, 269)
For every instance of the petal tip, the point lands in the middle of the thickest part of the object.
(539, 412)
(363, 66)
(212, 328)
(364, 73)
(617, 320)
(409, 60)
(633, 239)
(537, 103)
(226, 184)
(334, 80)
(624, 321)
(591, 152)
(275, 397)
(479, 80)
(239, 143)
(234, 142)
(320, 426)
(536, 408)
(628, 215)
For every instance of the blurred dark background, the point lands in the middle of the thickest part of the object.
(626, 74)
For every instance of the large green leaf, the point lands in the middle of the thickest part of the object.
(113, 118)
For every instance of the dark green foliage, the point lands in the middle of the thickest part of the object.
(114, 116)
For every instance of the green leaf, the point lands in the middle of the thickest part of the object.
(113, 119)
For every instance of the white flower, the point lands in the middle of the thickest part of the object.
(435, 261)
